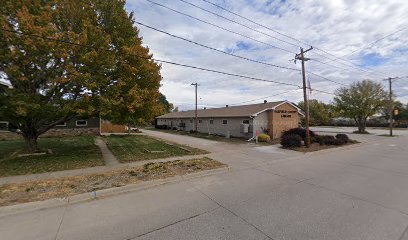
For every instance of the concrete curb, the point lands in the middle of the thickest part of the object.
(104, 193)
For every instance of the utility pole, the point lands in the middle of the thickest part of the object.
(195, 120)
(301, 57)
(391, 103)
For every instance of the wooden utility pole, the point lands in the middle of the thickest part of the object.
(195, 120)
(391, 103)
(301, 57)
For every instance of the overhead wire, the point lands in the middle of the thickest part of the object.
(233, 32)
(214, 49)
(154, 59)
(231, 54)
(271, 29)
(219, 27)
(263, 98)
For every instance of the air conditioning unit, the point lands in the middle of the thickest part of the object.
(244, 128)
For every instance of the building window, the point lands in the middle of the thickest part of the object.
(81, 123)
(211, 121)
(199, 121)
(64, 124)
(191, 120)
(245, 121)
(224, 121)
(4, 125)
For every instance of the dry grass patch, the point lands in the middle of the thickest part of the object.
(11, 194)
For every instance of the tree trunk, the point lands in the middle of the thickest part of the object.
(128, 128)
(31, 143)
(361, 127)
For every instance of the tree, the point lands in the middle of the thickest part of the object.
(319, 112)
(360, 101)
(165, 105)
(67, 58)
(401, 117)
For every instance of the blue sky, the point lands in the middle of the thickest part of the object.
(343, 28)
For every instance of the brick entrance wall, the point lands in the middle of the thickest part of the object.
(282, 118)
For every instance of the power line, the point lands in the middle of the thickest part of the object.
(295, 39)
(217, 50)
(262, 98)
(233, 32)
(370, 45)
(219, 27)
(231, 54)
(162, 61)
(240, 24)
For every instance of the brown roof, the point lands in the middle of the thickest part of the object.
(231, 111)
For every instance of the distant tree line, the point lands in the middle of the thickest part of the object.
(361, 104)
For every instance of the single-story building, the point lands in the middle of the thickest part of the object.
(243, 121)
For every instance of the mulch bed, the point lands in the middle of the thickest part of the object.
(317, 147)
(38, 190)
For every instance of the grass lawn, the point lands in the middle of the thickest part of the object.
(67, 153)
(202, 135)
(15, 193)
(140, 147)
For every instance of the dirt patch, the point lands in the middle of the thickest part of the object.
(11, 194)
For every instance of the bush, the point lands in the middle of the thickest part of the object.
(299, 131)
(343, 138)
(174, 128)
(161, 126)
(357, 132)
(291, 141)
(192, 131)
(326, 140)
(331, 140)
(264, 138)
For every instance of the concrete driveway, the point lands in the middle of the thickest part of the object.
(358, 192)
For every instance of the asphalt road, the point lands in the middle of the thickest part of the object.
(358, 192)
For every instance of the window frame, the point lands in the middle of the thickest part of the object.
(249, 121)
(211, 121)
(81, 125)
(62, 125)
(226, 121)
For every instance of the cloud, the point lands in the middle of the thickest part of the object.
(339, 27)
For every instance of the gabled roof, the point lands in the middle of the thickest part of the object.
(231, 111)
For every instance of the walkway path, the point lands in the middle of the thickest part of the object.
(108, 157)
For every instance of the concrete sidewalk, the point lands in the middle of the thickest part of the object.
(108, 157)
(352, 193)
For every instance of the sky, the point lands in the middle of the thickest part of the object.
(358, 40)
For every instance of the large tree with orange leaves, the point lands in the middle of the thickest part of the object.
(67, 58)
